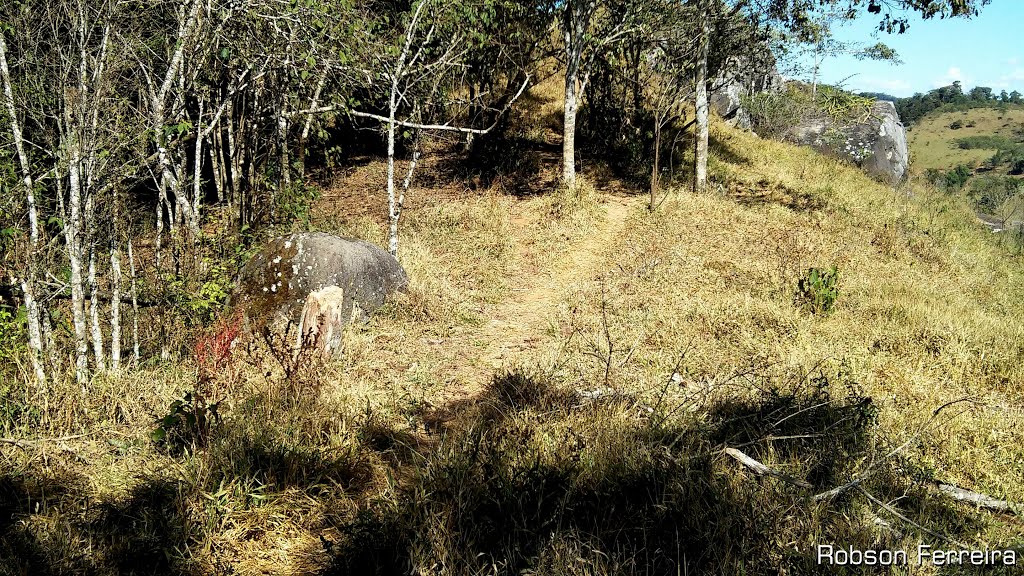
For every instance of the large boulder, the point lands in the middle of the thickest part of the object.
(738, 79)
(273, 287)
(876, 143)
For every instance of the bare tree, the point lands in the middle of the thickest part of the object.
(588, 28)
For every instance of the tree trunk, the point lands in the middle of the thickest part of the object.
(655, 168)
(700, 172)
(569, 131)
(94, 313)
(28, 284)
(394, 210)
(135, 305)
(285, 180)
(115, 306)
(307, 125)
(197, 167)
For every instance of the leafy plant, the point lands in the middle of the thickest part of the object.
(193, 418)
(294, 202)
(12, 332)
(818, 290)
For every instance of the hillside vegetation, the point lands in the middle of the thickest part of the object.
(935, 143)
(556, 392)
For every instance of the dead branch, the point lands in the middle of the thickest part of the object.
(760, 469)
(979, 499)
(897, 514)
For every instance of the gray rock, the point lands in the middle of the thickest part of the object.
(273, 287)
(877, 144)
(742, 77)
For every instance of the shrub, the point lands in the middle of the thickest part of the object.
(1017, 166)
(818, 290)
(956, 178)
(956, 125)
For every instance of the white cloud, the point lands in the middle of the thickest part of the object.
(954, 74)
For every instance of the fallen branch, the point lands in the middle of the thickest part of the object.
(897, 514)
(979, 499)
(761, 469)
(27, 442)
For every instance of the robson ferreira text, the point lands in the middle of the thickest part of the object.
(828, 554)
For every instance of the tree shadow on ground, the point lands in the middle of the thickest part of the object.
(656, 496)
(54, 524)
(722, 150)
(766, 192)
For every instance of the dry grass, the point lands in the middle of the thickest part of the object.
(553, 394)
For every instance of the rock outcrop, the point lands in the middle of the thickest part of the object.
(741, 78)
(274, 287)
(877, 143)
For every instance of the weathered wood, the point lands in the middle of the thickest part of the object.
(761, 470)
(979, 499)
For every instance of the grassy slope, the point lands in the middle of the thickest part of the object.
(933, 144)
(455, 469)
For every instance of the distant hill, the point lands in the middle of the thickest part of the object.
(952, 98)
(944, 140)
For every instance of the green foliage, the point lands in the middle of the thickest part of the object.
(772, 114)
(189, 421)
(990, 192)
(956, 125)
(841, 105)
(950, 180)
(12, 333)
(1017, 166)
(197, 301)
(818, 290)
(986, 142)
(294, 203)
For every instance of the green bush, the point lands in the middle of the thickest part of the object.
(818, 290)
(986, 142)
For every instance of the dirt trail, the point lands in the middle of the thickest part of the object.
(518, 326)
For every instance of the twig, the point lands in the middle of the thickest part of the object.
(896, 513)
(27, 442)
(761, 469)
(855, 483)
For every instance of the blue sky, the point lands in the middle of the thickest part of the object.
(984, 51)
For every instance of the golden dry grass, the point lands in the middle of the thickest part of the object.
(679, 322)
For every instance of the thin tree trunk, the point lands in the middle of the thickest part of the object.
(569, 131)
(285, 180)
(28, 283)
(217, 163)
(115, 306)
(308, 125)
(73, 234)
(94, 312)
(135, 305)
(197, 168)
(700, 172)
(655, 169)
(393, 208)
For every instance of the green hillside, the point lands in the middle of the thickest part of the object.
(934, 144)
